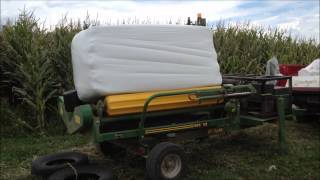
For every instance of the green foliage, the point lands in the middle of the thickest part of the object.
(10, 120)
(30, 72)
(60, 52)
(36, 65)
(245, 49)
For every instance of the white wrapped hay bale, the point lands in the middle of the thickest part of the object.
(138, 58)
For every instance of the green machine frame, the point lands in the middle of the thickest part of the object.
(90, 117)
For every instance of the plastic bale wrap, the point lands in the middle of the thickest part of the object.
(308, 77)
(139, 58)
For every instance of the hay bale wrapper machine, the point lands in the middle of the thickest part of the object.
(155, 124)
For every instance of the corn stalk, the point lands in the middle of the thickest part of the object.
(30, 71)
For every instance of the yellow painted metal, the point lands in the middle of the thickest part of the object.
(133, 103)
(175, 128)
(77, 119)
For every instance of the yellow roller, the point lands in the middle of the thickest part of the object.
(133, 103)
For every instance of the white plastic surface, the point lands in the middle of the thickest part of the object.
(312, 69)
(308, 76)
(272, 69)
(306, 81)
(138, 58)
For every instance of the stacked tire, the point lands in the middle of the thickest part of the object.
(68, 165)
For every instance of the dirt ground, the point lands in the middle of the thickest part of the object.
(245, 155)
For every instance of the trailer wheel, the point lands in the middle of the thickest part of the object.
(48, 164)
(166, 161)
(93, 172)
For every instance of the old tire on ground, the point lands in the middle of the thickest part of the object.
(92, 172)
(108, 148)
(46, 165)
(166, 161)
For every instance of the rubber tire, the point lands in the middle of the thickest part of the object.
(68, 173)
(155, 158)
(41, 166)
(108, 148)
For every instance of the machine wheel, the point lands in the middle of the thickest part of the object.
(108, 148)
(166, 161)
(82, 172)
(45, 165)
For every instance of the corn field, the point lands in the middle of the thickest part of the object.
(35, 63)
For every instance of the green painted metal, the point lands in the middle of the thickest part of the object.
(232, 112)
(95, 129)
(148, 101)
(85, 114)
(66, 116)
(236, 122)
(281, 130)
(253, 121)
(118, 135)
(239, 88)
(299, 114)
(218, 122)
(79, 119)
(136, 133)
(231, 107)
(82, 118)
(211, 93)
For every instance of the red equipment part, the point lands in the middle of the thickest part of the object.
(288, 70)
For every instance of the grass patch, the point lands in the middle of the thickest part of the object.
(253, 154)
(249, 154)
(17, 153)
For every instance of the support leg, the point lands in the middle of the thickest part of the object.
(281, 127)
